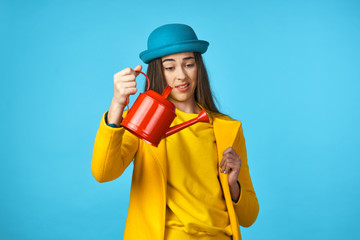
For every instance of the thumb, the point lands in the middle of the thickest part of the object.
(138, 68)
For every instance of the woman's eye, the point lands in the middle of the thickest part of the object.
(190, 65)
(169, 68)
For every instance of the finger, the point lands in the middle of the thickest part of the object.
(130, 91)
(230, 162)
(121, 88)
(223, 161)
(131, 84)
(228, 155)
(125, 71)
(232, 153)
(138, 68)
(234, 161)
(228, 150)
(227, 169)
(230, 159)
(125, 78)
(224, 167)
(127, 91)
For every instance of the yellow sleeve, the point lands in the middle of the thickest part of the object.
(247, 207)
(113, 151)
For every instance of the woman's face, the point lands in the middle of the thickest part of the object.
(180, 72)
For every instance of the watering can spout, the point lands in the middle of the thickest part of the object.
(202, 117)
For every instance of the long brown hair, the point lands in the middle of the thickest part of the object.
(203, 94)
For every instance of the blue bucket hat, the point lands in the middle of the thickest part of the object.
(172, 38)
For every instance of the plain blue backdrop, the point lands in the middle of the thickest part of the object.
(289, 70)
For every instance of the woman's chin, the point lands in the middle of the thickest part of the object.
(182, 99)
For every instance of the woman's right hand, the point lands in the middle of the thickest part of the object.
(124, 86)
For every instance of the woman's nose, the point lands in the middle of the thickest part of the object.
(180, 74)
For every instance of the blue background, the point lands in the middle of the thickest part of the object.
(289, 70)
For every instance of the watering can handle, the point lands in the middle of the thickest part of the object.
(148, 81)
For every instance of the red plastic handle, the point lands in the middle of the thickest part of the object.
(147, 78)
(148, 81)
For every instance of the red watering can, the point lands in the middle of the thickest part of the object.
(151, 115)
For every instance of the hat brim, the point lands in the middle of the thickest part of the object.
(187, 46)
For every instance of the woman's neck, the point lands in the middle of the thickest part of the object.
(188, 107)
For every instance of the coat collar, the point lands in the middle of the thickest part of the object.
(225, 131)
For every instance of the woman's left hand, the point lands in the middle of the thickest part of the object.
(231, 164)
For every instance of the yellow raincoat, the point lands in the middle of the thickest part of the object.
(115, 148)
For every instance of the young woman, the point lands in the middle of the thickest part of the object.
(196, 183)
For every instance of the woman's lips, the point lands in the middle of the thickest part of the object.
(183, 87)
